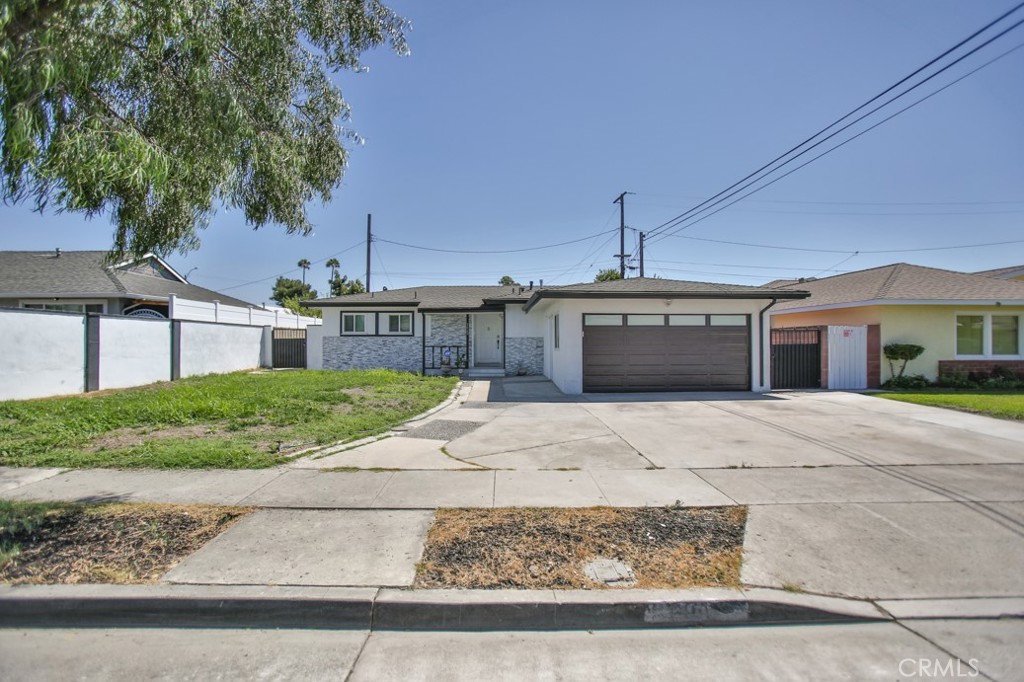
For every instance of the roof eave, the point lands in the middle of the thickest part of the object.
(327, 303)
(663, 295)
(988, 302)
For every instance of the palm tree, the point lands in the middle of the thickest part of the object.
(304, 264)
(333, 264)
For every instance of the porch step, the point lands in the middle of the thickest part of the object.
(483, 372)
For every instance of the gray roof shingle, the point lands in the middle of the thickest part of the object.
(468, 297)
(476, 297)
(85, 273)
(904, 282)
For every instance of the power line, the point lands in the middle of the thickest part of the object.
(841, 144)
(531, 248)
(380, 261)
(714, 200)
(853, 203)
(833, 268)
(288, 272)
(847, 251)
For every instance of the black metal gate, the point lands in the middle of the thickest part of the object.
(289, 347)
(796, 358)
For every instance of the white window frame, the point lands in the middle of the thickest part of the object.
(385, 325)
(25, 303)
(368, 322)
(986, 335)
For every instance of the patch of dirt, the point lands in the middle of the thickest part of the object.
(667, 547)
(113, 543)
(357, 392)
(134, 437)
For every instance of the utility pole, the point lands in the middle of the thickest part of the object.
(621, 255)
(369, 242)
(641, 254)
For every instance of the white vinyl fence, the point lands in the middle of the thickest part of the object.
(186, 309)
(45, 353)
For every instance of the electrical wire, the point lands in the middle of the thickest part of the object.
(715, 199)
(841, 144)
(848, 251)
(530, 248)
(288, 272)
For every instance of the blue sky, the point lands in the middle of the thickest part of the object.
(516, 124)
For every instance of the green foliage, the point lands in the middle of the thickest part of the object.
(154, 112)
(294, 304)
(607, 275)
(227, 421)
(507, 281)
(18, 519)
(909, 381)
(286, 288)
(957, 380)
(901, 352)
(343, 286)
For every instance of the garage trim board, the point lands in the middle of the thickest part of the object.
(666, 352)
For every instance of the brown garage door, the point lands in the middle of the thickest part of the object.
(666, 353)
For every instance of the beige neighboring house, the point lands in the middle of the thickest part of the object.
(967, 322)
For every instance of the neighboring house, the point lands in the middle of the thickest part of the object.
(965, 322)
(1013, 272)
(626, 335)
(81, 281)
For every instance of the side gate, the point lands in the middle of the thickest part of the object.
(796, 358)
(289, 348)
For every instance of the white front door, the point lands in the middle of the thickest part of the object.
(487, 333)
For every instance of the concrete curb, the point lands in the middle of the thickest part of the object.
(420, 610)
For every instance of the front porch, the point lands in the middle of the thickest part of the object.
(471, 344)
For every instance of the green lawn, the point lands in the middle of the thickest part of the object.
(1005, 404)
(231, 421)
(19, 519)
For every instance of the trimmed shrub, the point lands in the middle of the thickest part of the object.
(902, 353)
(908, 381)
(957, 380)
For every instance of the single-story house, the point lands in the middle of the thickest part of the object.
(965, 322)
(83, 282)
(638, 334)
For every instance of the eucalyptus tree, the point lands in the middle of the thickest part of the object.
(156, 112)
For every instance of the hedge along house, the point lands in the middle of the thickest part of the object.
(965, 322)
(637, 334)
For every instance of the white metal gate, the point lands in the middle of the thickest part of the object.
(847, 357)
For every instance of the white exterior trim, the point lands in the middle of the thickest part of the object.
(61, 300)
(986, 335)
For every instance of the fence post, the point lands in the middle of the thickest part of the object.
(250, 316)
(171, 301)
(92, 352)
(175, 350)
(277, 314)
(216, 311)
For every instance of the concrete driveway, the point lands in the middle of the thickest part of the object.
(848, 494)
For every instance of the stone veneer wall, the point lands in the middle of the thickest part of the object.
(449, 330)
(525, 351)
(403, 353)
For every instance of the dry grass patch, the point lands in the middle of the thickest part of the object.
(52, 543)
(548, 548)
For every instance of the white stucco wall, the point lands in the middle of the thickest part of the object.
(518, 323)
(217, 348)
(565, 367)
(315, 347)
(134, 352)
(41, 354)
